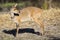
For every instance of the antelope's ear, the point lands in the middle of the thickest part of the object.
(14, 6)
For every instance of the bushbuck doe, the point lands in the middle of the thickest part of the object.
(33, 13)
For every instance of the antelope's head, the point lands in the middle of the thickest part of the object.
(14, 11)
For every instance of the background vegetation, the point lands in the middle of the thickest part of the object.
(5, 5)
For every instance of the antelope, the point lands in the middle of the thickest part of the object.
(33, 13)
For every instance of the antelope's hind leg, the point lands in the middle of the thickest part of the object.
(41, 24)
(42, 27)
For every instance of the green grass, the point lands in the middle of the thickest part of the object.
(22, 4)
(10, 4)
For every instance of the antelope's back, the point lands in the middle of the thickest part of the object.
(31, 11)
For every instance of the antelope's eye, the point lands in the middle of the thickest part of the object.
(16, 14)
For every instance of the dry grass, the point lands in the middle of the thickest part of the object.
(51, 20)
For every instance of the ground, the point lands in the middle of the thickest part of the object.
(51, 19)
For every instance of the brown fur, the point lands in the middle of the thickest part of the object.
(33, 13)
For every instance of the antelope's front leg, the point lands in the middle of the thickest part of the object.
(17, 29)
(17, 21)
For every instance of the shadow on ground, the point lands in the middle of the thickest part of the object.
(26, 30)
